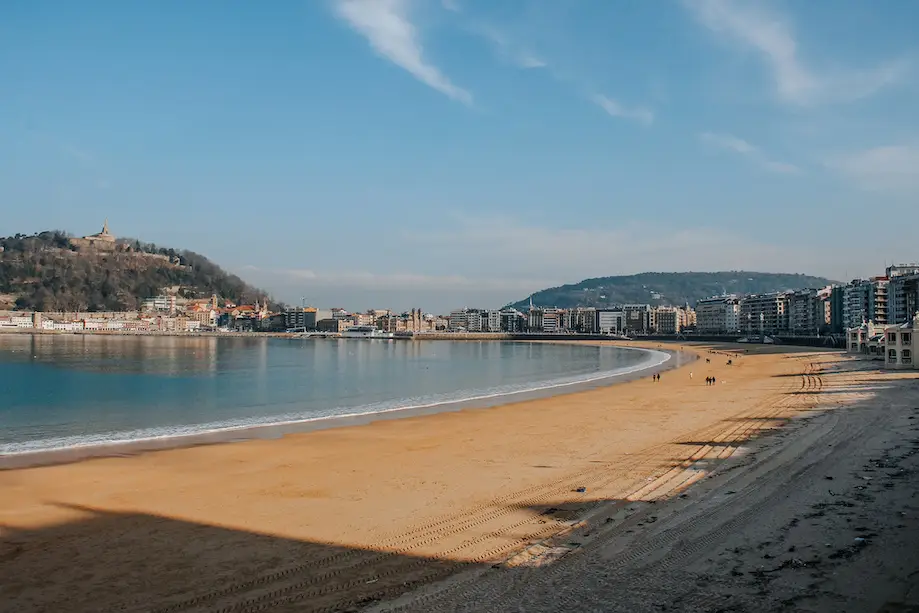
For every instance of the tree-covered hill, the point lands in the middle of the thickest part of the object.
(663, 288)
(46, 272)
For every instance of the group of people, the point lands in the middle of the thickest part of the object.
(709, 380)
(656, 377)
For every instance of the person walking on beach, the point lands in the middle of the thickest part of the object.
(690, 374)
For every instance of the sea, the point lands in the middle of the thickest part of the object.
(60, 392)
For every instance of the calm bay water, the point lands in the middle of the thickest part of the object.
(73, 390)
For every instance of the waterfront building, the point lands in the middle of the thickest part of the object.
(582, 320)
(159, 304)
(610, 321)
(900, 352)
(474, 320)
(534, 319)
(866, 339)
(865, 300)
(457, 320)
(806, 312)
(765, 313)
(512, 320)
(551, 320)
(902, 293)
(668, 320)
(333, 324)
(300, 318)
(718, 315)
(637, 318)
(491, 320)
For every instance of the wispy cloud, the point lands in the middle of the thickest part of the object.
(771, 36)
(888, 168)
(515, 54)
(387, 26)
(451, 5)
(388, 280)
(737, 145)
(615, 109)
(569, 254)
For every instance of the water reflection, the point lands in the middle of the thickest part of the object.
(71, 386)
(160, 355)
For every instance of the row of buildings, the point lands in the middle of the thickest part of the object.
(892, 298)
(626, 319)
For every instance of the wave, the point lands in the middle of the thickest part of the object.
(162, 433)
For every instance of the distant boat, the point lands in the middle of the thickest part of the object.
(365, 332)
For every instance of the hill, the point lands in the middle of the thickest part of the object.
(51, 271)
(663, 288)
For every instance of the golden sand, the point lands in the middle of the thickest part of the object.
(197, 527)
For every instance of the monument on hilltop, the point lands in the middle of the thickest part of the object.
(103, 241)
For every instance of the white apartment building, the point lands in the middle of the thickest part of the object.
(457, 320)
(900, 349)
(718, 315)
(534, 320)
(493, 320)
(668, 320)
(610, 321)
(474, 320)
(552, 320)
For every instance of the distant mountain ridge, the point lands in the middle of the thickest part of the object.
(52, 271)
(667, 288)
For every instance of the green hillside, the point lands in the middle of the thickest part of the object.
(667, 288)
(46, 272)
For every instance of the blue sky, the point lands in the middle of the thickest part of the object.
(442, 153)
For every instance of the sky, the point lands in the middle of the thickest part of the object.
(449, 153)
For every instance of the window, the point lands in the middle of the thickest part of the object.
(892, 355)
(892, 337)
(907, 356)
(906, 338)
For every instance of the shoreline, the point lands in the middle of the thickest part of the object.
(446, 512)
(237, 434)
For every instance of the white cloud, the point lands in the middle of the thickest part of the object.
(751, 152)
(771, 36)
(615, 109)
(892, 167)
(386, 25)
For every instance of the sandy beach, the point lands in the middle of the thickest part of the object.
(632, 497)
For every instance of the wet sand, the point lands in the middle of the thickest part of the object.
(479, 509)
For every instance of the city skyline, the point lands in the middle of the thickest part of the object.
(400, 152)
